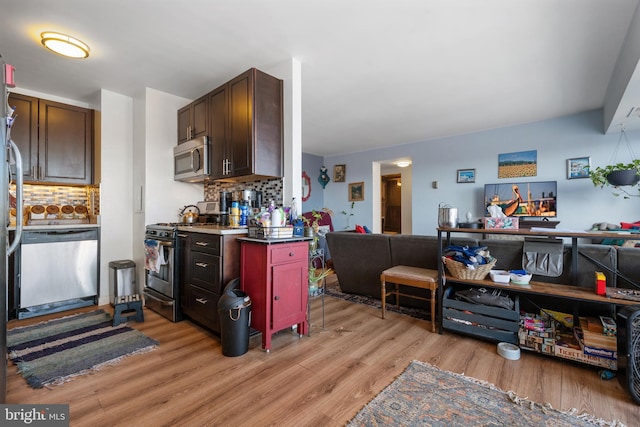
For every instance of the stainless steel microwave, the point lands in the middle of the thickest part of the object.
(191, 160)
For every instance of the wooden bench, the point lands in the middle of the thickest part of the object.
(416, 277)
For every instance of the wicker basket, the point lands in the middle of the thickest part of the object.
(460, 271)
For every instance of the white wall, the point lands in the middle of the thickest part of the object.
(164, 197)
(580, 204)
(290, 72)
(116, 159)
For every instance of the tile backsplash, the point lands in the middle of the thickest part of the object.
(60, 195)
(271, 189)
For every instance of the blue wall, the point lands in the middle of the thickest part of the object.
(580, 204)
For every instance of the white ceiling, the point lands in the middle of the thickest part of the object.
(376, 73)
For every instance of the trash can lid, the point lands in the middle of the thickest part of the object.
(233, 300)
(123, 263)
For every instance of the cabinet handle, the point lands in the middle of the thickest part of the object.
(201, 300)
(291, 253)
(276, 298)
(182, 235)
(202, 243)
(202, 264)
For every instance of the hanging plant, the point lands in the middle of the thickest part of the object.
(616, 176)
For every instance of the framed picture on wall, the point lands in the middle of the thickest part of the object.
(339, 173)
(578, 167)
(356, 191)
(466, 175)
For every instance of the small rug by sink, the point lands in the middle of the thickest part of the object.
(55, 351)
(424, 395)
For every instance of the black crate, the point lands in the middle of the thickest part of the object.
(483, 321)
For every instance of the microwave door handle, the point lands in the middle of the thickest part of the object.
(194, 154)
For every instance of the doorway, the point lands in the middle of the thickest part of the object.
(391, 203)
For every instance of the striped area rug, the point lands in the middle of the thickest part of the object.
(55, 351)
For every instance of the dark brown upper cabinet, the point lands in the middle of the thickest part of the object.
(244, 127)
(55, 140)
(193, 120)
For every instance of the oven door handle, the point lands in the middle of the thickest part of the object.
(166, 243)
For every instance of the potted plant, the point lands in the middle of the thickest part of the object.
(311, 228)
(616, 176)
(348, 214)
(315, 276)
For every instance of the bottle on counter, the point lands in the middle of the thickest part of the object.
(276, 217)
(293, 212)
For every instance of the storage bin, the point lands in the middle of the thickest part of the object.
(484, 321)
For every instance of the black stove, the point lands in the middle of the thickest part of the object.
(162, 258)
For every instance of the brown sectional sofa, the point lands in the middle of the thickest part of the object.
(358, 259)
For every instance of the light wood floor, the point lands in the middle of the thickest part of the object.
(321, 380)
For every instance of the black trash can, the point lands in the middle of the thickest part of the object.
(234, 308)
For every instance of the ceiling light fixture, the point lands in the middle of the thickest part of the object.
(64, 45)
(403, 163)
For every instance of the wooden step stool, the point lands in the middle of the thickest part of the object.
(422, 278)
(126, 306)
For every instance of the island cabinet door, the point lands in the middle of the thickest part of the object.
(289, 295)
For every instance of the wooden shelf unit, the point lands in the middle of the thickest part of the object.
(568, 291)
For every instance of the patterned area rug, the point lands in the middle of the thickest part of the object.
(55, 351)
(333, 289)
(424, 395)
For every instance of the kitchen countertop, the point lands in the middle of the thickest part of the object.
(212, 229)
(275, 241)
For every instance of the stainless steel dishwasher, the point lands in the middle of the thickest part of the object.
(58, 270)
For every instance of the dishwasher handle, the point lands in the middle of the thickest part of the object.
(52, 236)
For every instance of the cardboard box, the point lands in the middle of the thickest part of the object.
(508, 223)
(594, 336)
(567, 347)
(593, 350)
(564, 319)
(609, 326)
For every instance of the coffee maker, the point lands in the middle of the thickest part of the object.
(253, 197)
(225, 201)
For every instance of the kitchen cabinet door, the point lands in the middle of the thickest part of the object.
(289, 295)
(255, 125)
(65, 143)
(193, 120)
(218, 132)
(24, 132)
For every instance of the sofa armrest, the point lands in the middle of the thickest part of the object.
(358, 260)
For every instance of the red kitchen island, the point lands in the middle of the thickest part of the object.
(275, 274)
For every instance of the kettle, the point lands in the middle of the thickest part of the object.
(189, 216)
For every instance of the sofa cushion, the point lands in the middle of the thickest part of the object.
(358, 260)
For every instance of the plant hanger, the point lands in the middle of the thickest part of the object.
(623, 134)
